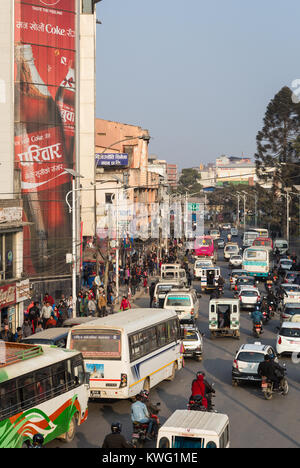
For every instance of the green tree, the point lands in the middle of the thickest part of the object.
(189, 181)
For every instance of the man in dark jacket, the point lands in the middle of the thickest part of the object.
(151, 293)
(270, 369)
(115, 439)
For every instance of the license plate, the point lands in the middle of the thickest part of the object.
(95, 393)
(264, 385)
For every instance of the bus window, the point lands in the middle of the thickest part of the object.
(59, 378)
(8, 399)
(26, 385)
(43, 384)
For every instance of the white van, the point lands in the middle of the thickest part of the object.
(184, 301)
(161, 290)
(282, 245)
(194, 429)
(174, 275)
(200, 264)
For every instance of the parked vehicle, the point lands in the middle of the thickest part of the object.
(224, 317)
(247, 360)
(194, 430)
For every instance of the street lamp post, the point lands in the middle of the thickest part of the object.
(72, 209)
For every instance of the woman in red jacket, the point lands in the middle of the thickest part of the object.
(198, 388)
(125, 304)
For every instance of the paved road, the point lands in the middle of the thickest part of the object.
(255, 422)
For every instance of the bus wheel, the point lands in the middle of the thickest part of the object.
(70, 434)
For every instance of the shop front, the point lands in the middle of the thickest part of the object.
(12, 297)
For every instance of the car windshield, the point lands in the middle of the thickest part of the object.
(245, 281)
(232, 248)
(164, 288)
(286, 262)
(250, 356)
(184, 301)
(291, 288)
(290, 332)
(190, 335)
(281, 245)
(292, 310)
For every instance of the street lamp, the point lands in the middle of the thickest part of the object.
(243, 194)
(72, 209)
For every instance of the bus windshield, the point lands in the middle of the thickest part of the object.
(256, 255)
(100, 344)
(203, 243)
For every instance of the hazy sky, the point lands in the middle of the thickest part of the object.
(197, 74)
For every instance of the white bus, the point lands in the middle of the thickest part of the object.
(249, 237)
(256, 261)
(129, 351)
(42, 390)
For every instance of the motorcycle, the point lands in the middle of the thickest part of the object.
(268, 387)
(195, 403)
(257, 329)
(266, 316)
(139, 433)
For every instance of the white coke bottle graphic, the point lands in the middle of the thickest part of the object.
(65, 99)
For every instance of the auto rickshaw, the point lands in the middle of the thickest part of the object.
(224, 318)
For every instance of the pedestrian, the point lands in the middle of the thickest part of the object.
(51, 322)
(92, 307)
(151, 293)
(48, 298)
(84, 305)
(125, 304)
(6, 335)
(39, 327)
(70, 306)
(46, 313)
(34, 315)
(18, 335)
(102, 303)
(26, 328)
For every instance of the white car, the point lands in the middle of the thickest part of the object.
(247, 360)
(288, 338)
(292, 293)
(234, 232)
(231, 248)
(249, 297)
(235, 261)
(285, 263)
(215, 233)
(235, 274)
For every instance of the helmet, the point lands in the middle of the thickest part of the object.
(38, 439)
(200, 373)
(116, 427)
(144, 394)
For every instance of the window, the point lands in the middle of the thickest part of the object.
(77, 372)
(43, 384)
(108, 198)
(59, 379)
(27, 389)
(9, 402)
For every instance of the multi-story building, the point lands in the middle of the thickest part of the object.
(172, 174)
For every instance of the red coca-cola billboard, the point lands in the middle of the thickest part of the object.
(45, 127)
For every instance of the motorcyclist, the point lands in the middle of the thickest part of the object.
(37, 441)
(257, 316)
(198, 389)
(140, 414)
(115, 439)
(153, 409)
(271, 370)
(209, 390)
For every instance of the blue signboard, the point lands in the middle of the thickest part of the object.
(111, 159)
